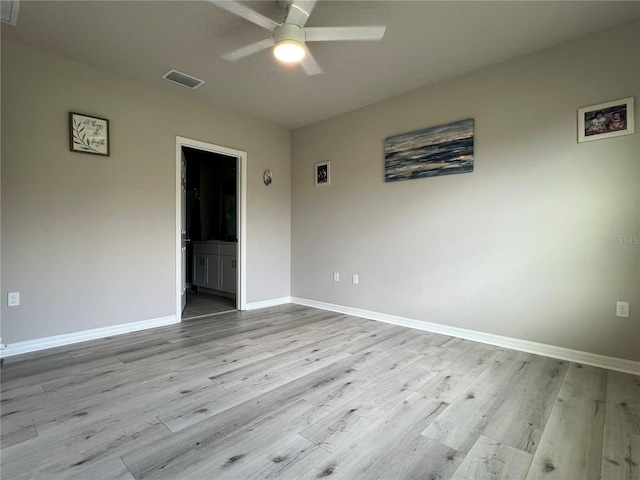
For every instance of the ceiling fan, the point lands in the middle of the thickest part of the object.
(290, 37)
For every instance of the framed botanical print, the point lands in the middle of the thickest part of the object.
(89, 134)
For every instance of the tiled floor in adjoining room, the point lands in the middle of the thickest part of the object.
(200, 304)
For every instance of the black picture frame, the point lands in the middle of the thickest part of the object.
(322, 172)
(89, 134)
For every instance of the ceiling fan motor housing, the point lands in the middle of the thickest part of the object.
(289, 31)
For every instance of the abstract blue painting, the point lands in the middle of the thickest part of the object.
(429, 152)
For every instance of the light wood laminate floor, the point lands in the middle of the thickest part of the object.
(292, 392)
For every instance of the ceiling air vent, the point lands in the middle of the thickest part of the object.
(182, 79)
(10, 11)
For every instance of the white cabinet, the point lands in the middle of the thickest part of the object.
(228, 273)
(215, 266)
(206, 271)
(200, 264)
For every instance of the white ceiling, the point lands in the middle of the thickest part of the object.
(425, 42)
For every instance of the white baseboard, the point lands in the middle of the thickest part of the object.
(273, 302)
(77, 337)
(97, 333)
(586, 358)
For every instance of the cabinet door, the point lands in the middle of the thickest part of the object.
(200, 270)
(213, 272)
(228, 273)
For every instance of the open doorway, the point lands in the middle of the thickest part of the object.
(210, 221)
(211, 238)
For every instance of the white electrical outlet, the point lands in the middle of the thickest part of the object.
(13, 299)
(622, 309)
(355, 279)
(336, 277)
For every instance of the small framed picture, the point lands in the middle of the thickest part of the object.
(323, 173)
(605, 120)
(88, 134)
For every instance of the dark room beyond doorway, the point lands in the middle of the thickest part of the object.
(211, 225)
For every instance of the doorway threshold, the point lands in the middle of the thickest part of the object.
(207, 315)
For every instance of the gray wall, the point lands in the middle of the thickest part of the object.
(516, 248)
(89, 241)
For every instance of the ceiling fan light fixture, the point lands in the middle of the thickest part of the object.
(290, 37)
(289, 40)
(289, 51)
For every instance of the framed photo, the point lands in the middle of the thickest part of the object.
(323, 173)
(605, 120)
(88, 134)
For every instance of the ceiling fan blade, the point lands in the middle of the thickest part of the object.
(240, 53)
(245, 12)
(309, 64)
(299, 12)
(327, 34)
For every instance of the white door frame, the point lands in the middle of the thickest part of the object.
(241, 216)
